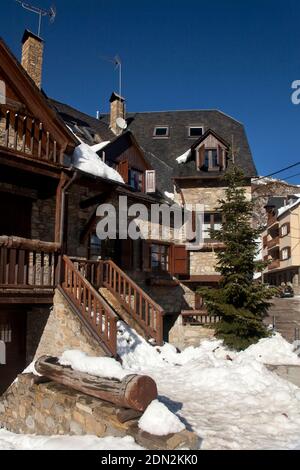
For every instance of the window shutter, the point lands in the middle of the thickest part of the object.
(150, 178)
(180, 260)
(146, 257)
(201, 157)
(288, 228)
(221, 157)
(123, 169)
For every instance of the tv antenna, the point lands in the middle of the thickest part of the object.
(40, 12)
(116, 61)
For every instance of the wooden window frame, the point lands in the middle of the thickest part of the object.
(161, 245)
(212, 222)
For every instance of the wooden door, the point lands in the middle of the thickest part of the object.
(15, 215)
(13, 333)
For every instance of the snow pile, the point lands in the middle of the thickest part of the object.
(10, 441)
(99, 366)
(237, 403)
(273, 350)
(184, 157)
(160, 421)
(170, 195)
(86, 159)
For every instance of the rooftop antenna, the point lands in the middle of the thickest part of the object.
(116, 61)
(40, 12)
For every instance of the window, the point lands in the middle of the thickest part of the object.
(285, 254)
(159, 257)
(136, 179)
(195, 131)
(211, 158)
(212, 221)
(2, 92)
(284, 230)
(94, 247)
(161, 131)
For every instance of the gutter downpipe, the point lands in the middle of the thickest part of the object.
(62, 219)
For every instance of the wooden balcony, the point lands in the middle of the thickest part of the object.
(273, 243)
(29, 270)
(25, 136)
(274, 264)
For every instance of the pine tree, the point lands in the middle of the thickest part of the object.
(239, 301)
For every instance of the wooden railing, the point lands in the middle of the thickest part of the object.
(91, 307)
(272, 243)
(23, 266)
(26, 135)
(139, 305)
(91, 270)
(198, 317)
(274, 264)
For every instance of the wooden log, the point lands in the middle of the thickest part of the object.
(134, 391)
(24, 243)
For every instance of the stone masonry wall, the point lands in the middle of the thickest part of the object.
(184, 336)
(202, 263)
(52, 409)
(64, 331)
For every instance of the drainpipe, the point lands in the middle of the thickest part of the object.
(62, 221)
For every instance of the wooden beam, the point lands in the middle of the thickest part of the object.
(35, 245)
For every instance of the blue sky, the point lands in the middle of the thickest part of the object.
(239, 56)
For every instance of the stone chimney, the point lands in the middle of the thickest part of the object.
(32, 56)
(117, 110)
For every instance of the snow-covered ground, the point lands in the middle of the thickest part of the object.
(231, 400)
(10, 441)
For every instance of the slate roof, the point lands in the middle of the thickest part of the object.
(162, 152)
(90, 129)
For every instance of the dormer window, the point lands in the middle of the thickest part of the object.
(211, 159)
(195, 131)
(161, 132)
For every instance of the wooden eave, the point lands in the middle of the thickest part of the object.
(11, 158)
(34, 99)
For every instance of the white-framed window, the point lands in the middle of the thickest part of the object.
(161, 132)
(285, 254)
(2, 92)
(284, 230)
(195, 131)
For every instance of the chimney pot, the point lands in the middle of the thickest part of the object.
(32, 56)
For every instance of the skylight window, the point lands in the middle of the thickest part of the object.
(195, 131)
(161, 131)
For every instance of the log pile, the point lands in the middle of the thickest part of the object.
(134, 392)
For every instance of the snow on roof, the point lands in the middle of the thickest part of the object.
(96, 148)
(184, 157)
(86, 159)
(292, 204)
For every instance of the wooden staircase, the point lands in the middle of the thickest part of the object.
(99, 292)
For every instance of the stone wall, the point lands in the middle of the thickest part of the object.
(64, 330)
(184, 336)
(52, 409)
(202, 263)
